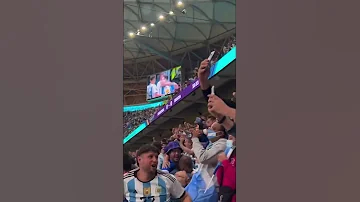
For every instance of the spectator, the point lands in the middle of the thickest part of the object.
(185, 170)
(161, 153)
(224, 114)
(208, 156)
(183, 178)
(226, 176)
(133, 119)
(173, 153)
(140, 183)
(185, 164)
(232, 139)
(128, 163)
(203, 74)
(186, 145)
(210, 121)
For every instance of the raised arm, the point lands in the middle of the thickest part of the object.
(185, 149)
(204, 155)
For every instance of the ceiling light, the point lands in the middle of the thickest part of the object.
(131, 34)
(143, 28)
(161, 17)
(152, 24)
(179, 3)
(171, 13)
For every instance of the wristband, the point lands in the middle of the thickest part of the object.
(222, 120)
(232, 130)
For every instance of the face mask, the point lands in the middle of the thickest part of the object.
(229, 143)
(208, 132)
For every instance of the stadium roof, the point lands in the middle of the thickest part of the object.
(202, 21)
(179, 38)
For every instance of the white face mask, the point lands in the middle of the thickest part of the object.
(229, 143)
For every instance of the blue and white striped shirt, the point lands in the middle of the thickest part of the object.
(162, 188)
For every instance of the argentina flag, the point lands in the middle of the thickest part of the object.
(202, 187)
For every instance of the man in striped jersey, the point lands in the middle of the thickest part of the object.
(165, 86)
(152, 89)
(148, 184)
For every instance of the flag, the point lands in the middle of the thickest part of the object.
(202, 187)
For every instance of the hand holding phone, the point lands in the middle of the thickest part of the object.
(211, 55)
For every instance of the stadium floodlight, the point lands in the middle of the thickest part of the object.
(180, 3)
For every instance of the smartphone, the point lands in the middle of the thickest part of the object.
(211, 55)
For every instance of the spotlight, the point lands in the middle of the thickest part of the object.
(152, 24)
(138, 32)
(161, 17)
(179, 3)
(183, 11)
(131, 34)
(171, 13)
(143, 28)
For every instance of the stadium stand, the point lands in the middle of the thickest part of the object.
(171, 110)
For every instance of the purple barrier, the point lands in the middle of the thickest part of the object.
(188, 90)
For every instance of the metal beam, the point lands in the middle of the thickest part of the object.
(162, 54)
(129, 73)
(144, 80)
(135, 95)
(158, 63)
(198, 57)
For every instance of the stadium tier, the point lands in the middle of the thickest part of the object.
(165, 106)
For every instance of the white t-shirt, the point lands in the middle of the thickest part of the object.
(152, 90)
(160, 189)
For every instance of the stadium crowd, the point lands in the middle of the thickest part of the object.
(133, 119)
(197, 163)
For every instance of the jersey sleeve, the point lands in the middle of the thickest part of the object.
(177, 191)
(125, 190)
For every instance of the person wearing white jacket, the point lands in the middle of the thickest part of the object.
(208, 156)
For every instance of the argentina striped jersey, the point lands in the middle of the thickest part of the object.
(160, 189)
